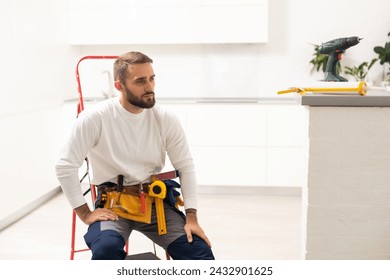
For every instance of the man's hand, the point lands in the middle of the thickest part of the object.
(192, 227)
(99, 214)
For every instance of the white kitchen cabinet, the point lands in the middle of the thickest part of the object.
(230, 166)
(99, 22)
(245, 144)
(227, 125)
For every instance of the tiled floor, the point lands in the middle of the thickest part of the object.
(239, 227)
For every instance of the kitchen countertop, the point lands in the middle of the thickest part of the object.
(374, 99)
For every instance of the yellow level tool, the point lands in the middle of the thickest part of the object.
(158, 190)
(329, 87)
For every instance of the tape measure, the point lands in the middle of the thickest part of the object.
(158, 190)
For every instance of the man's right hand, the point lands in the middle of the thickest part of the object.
(99, 214)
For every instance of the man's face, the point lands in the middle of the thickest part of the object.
(139, 86)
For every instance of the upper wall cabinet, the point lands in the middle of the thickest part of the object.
(96, 22)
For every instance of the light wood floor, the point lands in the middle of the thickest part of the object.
(239, 227)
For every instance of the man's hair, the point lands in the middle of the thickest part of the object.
(123, 61)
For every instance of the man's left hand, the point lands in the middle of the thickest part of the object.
(192, 227)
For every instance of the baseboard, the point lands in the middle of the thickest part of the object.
(261, 190)
(14, 217)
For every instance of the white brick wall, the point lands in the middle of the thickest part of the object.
(347, 194)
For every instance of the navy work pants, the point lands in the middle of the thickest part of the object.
(109, 245)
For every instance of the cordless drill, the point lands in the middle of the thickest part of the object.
(334, 49)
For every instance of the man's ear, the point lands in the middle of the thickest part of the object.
(118, 85)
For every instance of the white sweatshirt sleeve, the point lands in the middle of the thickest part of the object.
(82, 138)
(181, 159)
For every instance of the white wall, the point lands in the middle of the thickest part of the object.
(35, 75)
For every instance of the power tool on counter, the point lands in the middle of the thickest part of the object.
(334, 49)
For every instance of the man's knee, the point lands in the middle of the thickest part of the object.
(181, 249)
(106, 244)
(109, 247)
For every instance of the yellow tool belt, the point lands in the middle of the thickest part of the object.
(135, 202)
(131, 203)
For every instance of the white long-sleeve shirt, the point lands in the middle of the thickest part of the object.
(119, 142)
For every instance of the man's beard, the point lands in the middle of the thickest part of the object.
(139, 101)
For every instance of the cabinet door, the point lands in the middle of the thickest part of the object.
(246, 144)
(230, 166)
(228, 144)
(168, 21)
(227, 125)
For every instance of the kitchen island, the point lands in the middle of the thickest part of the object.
(346, 196)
